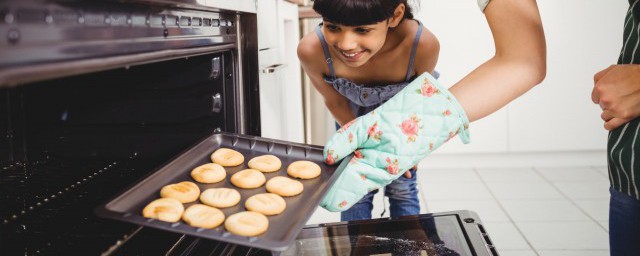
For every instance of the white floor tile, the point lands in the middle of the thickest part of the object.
(523, 190)
(603, 170)
(565, 235)
(604, 224)
(543, 210)
(509, 175)
(517, 253)
(574, 253)
(584, 190)
(454, 191)
(571, 174)
(487, 210)
(598, 209)
(448, 175)
(505, 236)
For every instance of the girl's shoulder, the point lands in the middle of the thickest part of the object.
(427, 51)
(310, 53)
(427, 47)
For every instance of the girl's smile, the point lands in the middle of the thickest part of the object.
(352, 56)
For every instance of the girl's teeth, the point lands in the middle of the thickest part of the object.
(349, 55)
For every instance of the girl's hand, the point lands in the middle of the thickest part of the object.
(407, 174)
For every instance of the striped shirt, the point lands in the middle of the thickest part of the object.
(623, 151)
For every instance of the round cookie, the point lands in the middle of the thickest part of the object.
(265, 163)
(164, 209)
(303, 170)
(266, 203)
(247, 224)
(248, 178)
(220, 197)
(209, 173)
(284, 186)
(227, 157)
(185, 192)
(202, 216)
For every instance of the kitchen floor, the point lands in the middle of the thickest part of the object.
(544, 211)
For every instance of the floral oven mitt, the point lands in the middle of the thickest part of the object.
(391, 139)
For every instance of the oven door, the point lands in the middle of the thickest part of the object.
(457, 233)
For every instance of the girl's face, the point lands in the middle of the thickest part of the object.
(355, 45)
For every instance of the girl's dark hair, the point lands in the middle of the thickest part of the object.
(359, 12)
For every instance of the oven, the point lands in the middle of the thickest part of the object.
(97, 95)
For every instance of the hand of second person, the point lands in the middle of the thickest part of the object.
(617, 90)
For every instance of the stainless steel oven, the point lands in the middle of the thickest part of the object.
(96, 94)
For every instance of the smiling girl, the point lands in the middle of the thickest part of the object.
(362, 54)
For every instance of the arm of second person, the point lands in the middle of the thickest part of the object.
(518, 65)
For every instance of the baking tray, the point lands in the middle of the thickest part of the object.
(283, 228)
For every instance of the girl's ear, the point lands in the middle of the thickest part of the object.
(398, 14)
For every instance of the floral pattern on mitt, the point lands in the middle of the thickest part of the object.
(391, 139)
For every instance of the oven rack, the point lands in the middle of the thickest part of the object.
(35, 184)
(172, 244)
(53, 213)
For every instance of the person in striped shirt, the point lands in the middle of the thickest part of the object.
(617, 91)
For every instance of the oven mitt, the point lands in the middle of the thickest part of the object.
(391, 139)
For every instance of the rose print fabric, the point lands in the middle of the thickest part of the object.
(391, 139)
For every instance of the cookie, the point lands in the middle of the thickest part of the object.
(303, 170)
(220, 197)
(284, 186)
(266, 203)
(227, 157)
(185, 192)
(265, 163)
(164, 209)
(248, 178)
(202, 216)
(247, 223)
(209, 173)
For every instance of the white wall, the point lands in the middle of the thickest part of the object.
(583, 37)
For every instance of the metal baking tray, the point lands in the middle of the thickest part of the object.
(283, 228)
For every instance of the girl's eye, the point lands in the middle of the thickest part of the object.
(331, 27)
(362, 30)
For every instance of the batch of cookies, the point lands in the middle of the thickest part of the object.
(207, 213)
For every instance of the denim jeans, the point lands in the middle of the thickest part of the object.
(403, 200)
(624, 224)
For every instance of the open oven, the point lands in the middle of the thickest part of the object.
(96, 95)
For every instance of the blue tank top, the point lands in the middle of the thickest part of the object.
(364, 99)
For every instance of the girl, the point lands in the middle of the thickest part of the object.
(365, 52)
(360, 56)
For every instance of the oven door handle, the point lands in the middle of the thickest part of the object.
(273, 68)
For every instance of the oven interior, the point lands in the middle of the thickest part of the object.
(98, 94)
(71, 143)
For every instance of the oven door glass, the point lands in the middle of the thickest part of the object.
(438, 235)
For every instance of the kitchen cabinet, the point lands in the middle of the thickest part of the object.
(281, 110)
(267, 24)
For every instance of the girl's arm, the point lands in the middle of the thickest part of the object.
(337, 104)
(518, 64)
